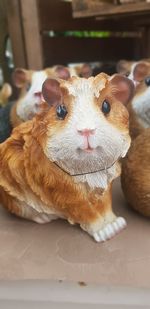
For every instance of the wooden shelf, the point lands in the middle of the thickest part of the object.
(112, 9)
(60, 251)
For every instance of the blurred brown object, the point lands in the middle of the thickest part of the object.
(131, 1)
(82, 5)
(5, 93)
(3, 37)
(85, 8)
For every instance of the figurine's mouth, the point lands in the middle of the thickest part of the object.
(89, 149)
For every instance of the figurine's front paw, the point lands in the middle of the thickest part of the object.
(43, 218)
(110, 230)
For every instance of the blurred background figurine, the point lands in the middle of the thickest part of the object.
(135, 177)
(6, 105)
(30, 83)
(5, 93)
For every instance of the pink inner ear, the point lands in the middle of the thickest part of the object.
(123, 92)
(140, 71)
(124, 88)
(51, 91)
(19, 77)
(62, 72)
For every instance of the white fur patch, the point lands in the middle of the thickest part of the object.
(72, 70)
(30, 201)
(68, 147)
(82, 88)
(131, 76)
(29, 103)
(39, 216)
(99, 179)
(141, 106)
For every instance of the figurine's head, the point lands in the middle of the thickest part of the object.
(124, 67)
(82, 70)
(30, 82)
(86, 128)
(137, 71)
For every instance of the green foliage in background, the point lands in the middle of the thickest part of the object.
(81, 34)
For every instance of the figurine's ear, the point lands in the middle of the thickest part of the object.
(122, 87)
(62, 72)
(141, 70)
(86, 70)
(123, 66)
(51, 91)
(20, 77)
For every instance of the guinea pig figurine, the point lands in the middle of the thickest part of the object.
(124, 66)
(81, 69)
(135, 70)
(61, 164)
(30, 98)
(135, 177)
(139, 109)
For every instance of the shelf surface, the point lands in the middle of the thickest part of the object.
(59, 251)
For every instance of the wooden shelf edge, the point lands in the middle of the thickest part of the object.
(122, 9)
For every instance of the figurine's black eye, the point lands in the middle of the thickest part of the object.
(105, 107)
(147, 81)
(127, 74)
(28, 85)
(61, 112)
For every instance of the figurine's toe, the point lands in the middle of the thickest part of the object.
(43, 218)
(110, 230)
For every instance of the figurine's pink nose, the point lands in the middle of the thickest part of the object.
(86, 132)
(38, 94)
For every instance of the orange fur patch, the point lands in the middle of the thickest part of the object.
(25, 170)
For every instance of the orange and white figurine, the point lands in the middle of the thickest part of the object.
(61, 164)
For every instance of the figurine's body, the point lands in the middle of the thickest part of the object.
(63, 161)
(135, 176)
